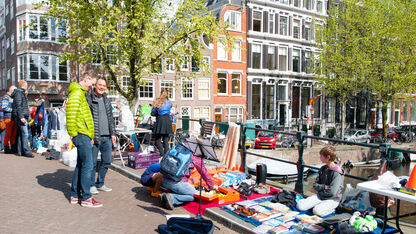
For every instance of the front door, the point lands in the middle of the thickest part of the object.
(282, 114)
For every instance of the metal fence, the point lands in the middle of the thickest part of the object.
(384, 148)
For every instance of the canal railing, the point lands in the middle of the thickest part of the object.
(384, 148)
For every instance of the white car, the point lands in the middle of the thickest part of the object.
(360, 135)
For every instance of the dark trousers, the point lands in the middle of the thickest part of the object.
(163, 149)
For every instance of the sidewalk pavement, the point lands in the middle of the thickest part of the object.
(34, 198)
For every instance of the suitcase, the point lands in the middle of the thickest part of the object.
(176, 225)
(139, 160)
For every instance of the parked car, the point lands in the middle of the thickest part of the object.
(265, 140)
(357, 135)
(377, 134)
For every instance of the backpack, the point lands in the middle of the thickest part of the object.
(175, 163)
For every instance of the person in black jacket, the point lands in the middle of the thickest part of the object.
(20, 114)
(104, 133)
(329, 184)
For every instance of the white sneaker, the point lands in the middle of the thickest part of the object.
(93, 190)
(105, 189)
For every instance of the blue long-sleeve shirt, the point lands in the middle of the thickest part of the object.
(164, 110)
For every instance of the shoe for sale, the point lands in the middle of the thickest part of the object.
(93, 190)
(105, 188)
(90, 202)
(75, 200)
(169, 201)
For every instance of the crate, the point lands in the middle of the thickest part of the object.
(139, 160)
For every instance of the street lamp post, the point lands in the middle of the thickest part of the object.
(312, 112)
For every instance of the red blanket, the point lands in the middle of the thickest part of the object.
(193, 207)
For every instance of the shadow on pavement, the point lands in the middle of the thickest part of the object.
(142, 194)
(59, 180)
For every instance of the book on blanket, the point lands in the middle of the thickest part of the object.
(309, 219)
(265, 216)
(278, 229)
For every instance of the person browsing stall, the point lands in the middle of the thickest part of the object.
(328, 184)
(104, 133)
(163, 126)
(152, 177)
(183, 191)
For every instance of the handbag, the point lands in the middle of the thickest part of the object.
(2, 124)
(377, 200)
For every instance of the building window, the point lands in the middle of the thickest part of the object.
(42, 67)
(236, 84)
(33, 28)
(13, 75)
(185, 63)
(22, 67)
(63, 70)
(363, 110)
(270, 105)
(194, 65)
(201, 113)
(203, 89)
(284, 2)
(236, 52)
(110, 55)
(207, 64)
(43, 28)
(296, 60)
(308, 4)
(319, 6)
(283, 25)
(235, 114)
(21, 23)
(308, 32)
(308, 62)
(256, 56)
(281, 95)
(187, 88)
(270, 58)
(125, 80)
(170, 65)
(296, 29)
(257, 18)
(146, 89)
(295, 101)
(3, 49)
(233, 18)
(222, 83)
(169, 86)
(331, 111)
(412, 110)
(255, 101)
(12, 44)
(405, 111)
(222, 52)
(282, 58)
(271, 23)
(296, 3)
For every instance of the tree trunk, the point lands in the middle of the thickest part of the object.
(384, 119)
(343, 118)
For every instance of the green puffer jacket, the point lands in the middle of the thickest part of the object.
(78, 113)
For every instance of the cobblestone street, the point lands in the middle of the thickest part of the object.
(34, 196)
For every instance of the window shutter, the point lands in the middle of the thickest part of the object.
(290, 25)
(264, 56)
(303, 29)
(265, 21)
(276, 55)
(250, 19)
(326, 103)
(276, 24)
(249, 55)
(303, 62)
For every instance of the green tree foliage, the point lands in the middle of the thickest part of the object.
(138, 34)
(368, 45)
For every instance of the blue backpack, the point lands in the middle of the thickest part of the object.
(175, 163)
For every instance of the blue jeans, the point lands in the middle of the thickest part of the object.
(22, 138)
(81, 180)
(181, 191)
(2, 134)
(105, 147)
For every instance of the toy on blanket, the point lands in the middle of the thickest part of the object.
(366, 224)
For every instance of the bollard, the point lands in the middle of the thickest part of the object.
(299, 183)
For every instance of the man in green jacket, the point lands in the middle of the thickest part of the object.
(80, 126)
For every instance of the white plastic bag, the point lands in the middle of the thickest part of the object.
(69, 157)
(388, 179)
(356, 199)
